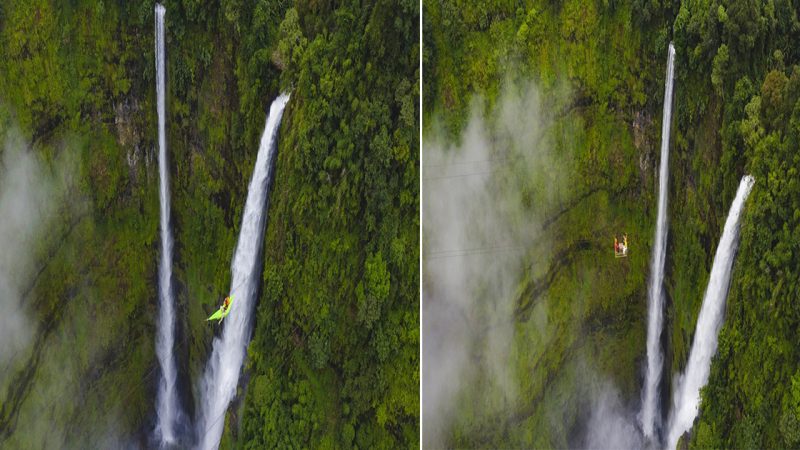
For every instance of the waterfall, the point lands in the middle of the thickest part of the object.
(655, 360)
(222, 371)
(687, 395)
(167, 407)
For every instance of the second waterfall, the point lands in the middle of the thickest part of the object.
(222, 372)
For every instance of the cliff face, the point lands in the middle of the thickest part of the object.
(83, 375)
(577, 320)
(77, 82)
(604, 62)
(334, 360)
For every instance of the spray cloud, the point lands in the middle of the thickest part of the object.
(485, 200)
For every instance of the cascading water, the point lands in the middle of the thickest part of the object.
(687, 395)
(222, 372)
(167, 407)
(655, 360)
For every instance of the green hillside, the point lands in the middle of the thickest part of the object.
(600, 68)
(334, 357)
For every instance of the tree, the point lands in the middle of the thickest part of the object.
(291, 44)
(719, 69)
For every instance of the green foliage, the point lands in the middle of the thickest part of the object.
(719, 67)
(341, 292)
(67, 80)
(376, 291)
(735, 110)
(292, 43)
(344, 208)
(586, 61)
(756, 366)
(790, 428)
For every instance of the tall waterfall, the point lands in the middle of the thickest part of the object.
(167, 407)
(222, 372)
(687, 395)
(655, 359)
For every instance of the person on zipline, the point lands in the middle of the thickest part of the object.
(222, 311)
(621, 248)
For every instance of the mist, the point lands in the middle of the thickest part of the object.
(26, 207)
(611, 424)
(38, 191)
(485, 199)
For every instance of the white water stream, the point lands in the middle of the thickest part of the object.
(655, 359)
(222, 372)
(687, 393)
(167, 406)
